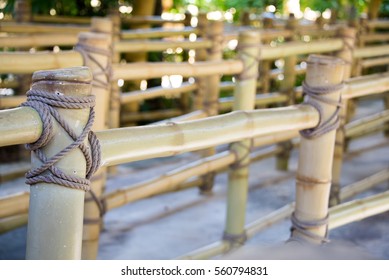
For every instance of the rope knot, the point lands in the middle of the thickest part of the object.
(45, 104)
(317, 97)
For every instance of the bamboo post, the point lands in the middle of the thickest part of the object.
(265, 67)
(244, 99)
(56, 212)
(374, 7)
(201, 55)
(348, 36)
(287, 88)
(95, 48)
(211, 98)
(313, 178)
(114, 112)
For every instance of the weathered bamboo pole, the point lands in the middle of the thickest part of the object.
(7, 83)
(366, 85)
(11, 101)
(154, 92)
(38, 40)
(214, 33)
(10, 223)
(95, 48)
(375, 37)
(150, 116)
(313, 179)
(152, 45)
(373, 8)
(367, 63)
(150, 20)
(130, 144)
(194, 115)
(41, 28)
(358, 209)
(348, 36)
(244, 99)
(287, 88)
(25, 62)
(55, 214)
(22, 11)
(151, 33)
(12, 171)
(378, 23)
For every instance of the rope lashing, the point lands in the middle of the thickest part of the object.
(317, 95)
(45, 104)
(239, 160)
(348, 45)
(235, 239)
(88, 52)
(241, 48)
(305, 227)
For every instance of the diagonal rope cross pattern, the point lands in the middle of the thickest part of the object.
(45, 104)
(241, 49)
(317, 95)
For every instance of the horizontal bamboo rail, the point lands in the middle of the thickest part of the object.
(9, 84)
(371, 51)
(150, 33)
(149, 20)
(150, 115)
(61, 19)
(38, 40)
(13, 222)
(299, 48)
(11, 101)
(378, 23)
(11, 171)
(14, 204)
(41, 28)
(366, 63)
(154, 92)
(194, 115)
(364, 184)
(366, 85)
(225, 103)
(358, 209)
(151, 70)
(26, 63)
(358, 126)
(375, 37)
(151, 45)
(130, 144)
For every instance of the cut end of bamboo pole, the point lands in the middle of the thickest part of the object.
(101, 25)
(74, 74)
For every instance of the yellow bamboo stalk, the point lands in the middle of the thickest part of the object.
(101, 90)
(195, 115)
(25, 62)
(364, 184)
(366, 85)
(133, 71)
(348, 35)
(149, 33)
(152, 45)
(378, 23)
(10, 223)
(9, 84)
(149, 116)
(41, 28)
(244, 99)
(298, 48)
(371, 51)
(14, 204)
(38, 40)
(11, 101)
(55, 212)
(367, 63)
(11, 171)
(265, 65)
(129, 144)
(313, 179)
(287, 88)
(375, 120)
(358, 209)
(375, 37)
(154, 92)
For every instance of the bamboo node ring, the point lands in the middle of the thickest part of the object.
(45, 104)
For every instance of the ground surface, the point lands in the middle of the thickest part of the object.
(174, 224)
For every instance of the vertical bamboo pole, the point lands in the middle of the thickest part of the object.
(201, 55)
(348, 36)
(97, 55)
(287, 88)
(266, 64)
(313, 178)
(56, 212)
(374, 7)
(114, 112)
(211, 98)
(244, 99)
